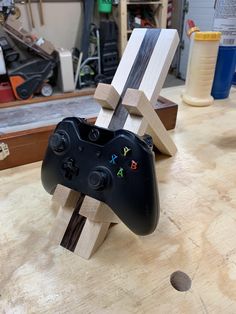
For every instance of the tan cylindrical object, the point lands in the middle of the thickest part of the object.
(201, 69)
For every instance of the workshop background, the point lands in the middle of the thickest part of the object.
(69, 253)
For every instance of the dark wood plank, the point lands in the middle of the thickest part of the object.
(74, 228)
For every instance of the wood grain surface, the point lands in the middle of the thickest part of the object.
(131, 274)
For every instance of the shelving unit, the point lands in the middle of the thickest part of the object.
(160, 17)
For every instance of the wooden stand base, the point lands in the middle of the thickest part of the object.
(71, 221)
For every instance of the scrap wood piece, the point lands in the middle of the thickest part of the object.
(167, 111)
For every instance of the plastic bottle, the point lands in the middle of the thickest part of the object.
(224, 73)
(201, 68)
(225, 22)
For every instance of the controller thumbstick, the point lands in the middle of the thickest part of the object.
(57, 142)
(98, 179)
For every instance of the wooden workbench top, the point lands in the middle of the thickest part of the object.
(131, 274)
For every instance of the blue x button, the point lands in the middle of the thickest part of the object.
(113, 159)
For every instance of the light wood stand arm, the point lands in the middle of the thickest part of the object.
(147, 121)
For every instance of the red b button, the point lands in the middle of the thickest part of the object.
(134, 165)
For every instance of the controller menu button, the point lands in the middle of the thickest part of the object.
(98, 179)
(70, 168)
(126, 151)
(94, 135)
(120, 173)
(80, 148)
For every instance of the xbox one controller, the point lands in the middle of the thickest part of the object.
(115, 167)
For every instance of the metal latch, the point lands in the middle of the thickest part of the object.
(4, 151)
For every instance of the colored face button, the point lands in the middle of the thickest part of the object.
(113, 159)
(125, 151)
(134, 165)
(120, 173)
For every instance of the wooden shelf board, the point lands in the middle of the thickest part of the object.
(144, 2)
(77, 93)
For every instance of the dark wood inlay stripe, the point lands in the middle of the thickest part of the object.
(135, 76)
(74, 228)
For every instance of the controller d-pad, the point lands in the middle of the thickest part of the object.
(70, 168)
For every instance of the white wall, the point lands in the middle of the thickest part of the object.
(63, 22)
(202, 12)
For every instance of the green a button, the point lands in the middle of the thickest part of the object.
(120, 173)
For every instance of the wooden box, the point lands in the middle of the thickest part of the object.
(29, 145)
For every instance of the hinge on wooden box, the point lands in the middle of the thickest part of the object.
(4, 151)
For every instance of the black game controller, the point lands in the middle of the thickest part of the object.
(115, 167)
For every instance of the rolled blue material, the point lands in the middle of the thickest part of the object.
(225, 68)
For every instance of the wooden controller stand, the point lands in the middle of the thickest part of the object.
(82, 223)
